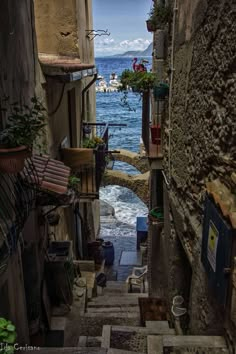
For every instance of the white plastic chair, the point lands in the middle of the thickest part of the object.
(137, 278)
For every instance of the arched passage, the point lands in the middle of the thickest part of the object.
(139, 184)
(132, 158)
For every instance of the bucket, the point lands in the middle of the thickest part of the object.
(108, 252)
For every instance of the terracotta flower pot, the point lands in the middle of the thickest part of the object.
(12, 160)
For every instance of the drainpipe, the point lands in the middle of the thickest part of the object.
(85, 89)
(171, 87)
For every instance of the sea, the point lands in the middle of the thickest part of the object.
(110, 109)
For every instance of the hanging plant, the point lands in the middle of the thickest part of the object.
(135, 81)
(74, 182)
(159, 16)
(7, 336)
(92, 143)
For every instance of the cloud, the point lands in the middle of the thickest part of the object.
(111, 46)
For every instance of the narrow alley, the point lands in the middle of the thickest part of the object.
(117, 177)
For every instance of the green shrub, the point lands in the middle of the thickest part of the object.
(160, 15)
(24, 123)
(7, 336)
(138, 81)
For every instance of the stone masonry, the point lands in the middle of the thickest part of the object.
(203, 131)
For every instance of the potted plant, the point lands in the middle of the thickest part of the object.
(161, 91)
(159, 16)
(136, 81)
(7, 336)
(24, 126)
(155, 134)
(74, 182)
(93, 142)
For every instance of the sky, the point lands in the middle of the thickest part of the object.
(125, 21)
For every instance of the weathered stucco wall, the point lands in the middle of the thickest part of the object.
(203, 123)
(56, 27)
(61, 28)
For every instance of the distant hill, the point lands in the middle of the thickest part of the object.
(137, 53)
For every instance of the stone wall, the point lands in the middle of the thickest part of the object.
(203, 130)
(203, 104)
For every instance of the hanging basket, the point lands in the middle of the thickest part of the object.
(13, 160)
(161, 91)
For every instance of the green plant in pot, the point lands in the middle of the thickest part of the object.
(25, 124)
(93, 142)
(74, 182)
(7, 336)
(137, 81)
(159, 16)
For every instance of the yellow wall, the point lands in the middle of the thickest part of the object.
(61, 28)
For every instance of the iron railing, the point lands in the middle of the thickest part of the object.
(16, 201)
(91, 178)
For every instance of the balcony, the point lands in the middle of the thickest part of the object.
(89, 163)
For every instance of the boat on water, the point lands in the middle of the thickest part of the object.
(102, 85)
(113, 85)
(114, 82)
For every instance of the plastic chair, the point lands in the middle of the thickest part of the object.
(137, 278)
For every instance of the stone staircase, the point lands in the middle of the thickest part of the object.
(111, 325)
(128, 337)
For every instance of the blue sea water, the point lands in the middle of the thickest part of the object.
(109, 109)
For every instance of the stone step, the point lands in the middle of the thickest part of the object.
(87, 341)
(65, 351)
(114, 284)
(118, 314)
(213, 342)
(115, 287)
(103, 305)
(120, 351)
(120, 295)
(158, 325)
(112, 299)
(155, 345)
(113, 309)
(143, 330)
(186, 344)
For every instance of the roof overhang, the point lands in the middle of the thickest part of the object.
(65, 68)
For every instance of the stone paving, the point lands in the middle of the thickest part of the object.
(132, 341)
(116, 271)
